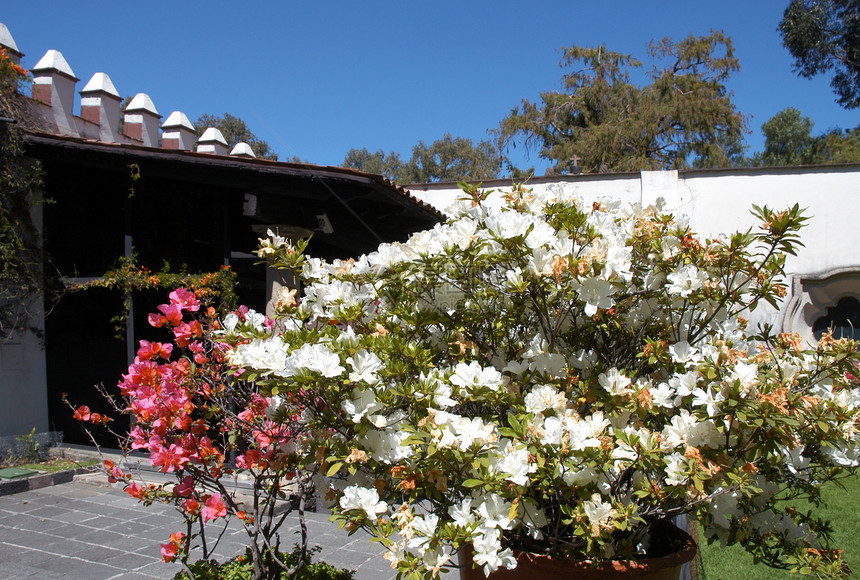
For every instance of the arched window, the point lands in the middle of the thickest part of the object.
(843, 320)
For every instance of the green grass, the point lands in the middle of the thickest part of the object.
(842, 508)
(55, 465)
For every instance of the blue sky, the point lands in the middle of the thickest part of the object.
(317, 78)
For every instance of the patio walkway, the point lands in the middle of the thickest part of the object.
(87, 530)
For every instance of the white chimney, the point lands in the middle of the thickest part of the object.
(141, 120)
(7, 42)
(178, 132)
(54, 85)
(212, 141)
(100, 105)
(244, 150)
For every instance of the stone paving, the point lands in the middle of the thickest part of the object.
(87, 530)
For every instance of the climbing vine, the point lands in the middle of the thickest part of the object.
(22, 280)
(218, 289)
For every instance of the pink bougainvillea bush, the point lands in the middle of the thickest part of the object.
(195, 419)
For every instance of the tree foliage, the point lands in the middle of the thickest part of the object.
(824, 36)
(447, 159)
(603, 121)
(789, 141)
(787, 138)
(378, 162)
(838, 146)
(235, 130)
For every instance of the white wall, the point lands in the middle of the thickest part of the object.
(719, 201)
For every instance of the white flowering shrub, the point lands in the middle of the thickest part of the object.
(558, 378)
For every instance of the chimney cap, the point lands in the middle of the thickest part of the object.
(100, 83)
(176, 120)
(212, 134)
(242, 149)
(54, 61)
(7, 41)
(141, 102)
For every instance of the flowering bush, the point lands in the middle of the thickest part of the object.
(558, 378)
(196, 420)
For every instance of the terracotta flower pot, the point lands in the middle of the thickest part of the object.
(535, 566)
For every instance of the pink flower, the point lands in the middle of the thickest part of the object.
(169, 458)
(185, 487)
(150, 350)
(82, 413)
(156, 320)
(134, 490)
(173, 313)
(185, 299)
(249, 459)
(213, 508)
(139, 438)
(185, 332)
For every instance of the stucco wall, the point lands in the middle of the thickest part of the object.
(23, 389)
(719, 201)
(23, 383)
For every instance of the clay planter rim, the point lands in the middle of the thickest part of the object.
(561, 566)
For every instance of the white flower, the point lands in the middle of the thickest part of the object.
(663, 396)
(514, 462)
(487, 548)
(676, 467)
(746, 374)
(596, 293)
(544, 397)
(364, 365)
(553, 431)
(494, 512)
(580, 478)
(549, 364)
(615, 382)
(364, 499)
(361, 404)
(387, 445)
(724, 508)
(263, 355)
(599, 513)
(509, 224)
(315, 269)
(686, 430)
(230, 321)
(313, 357)
(540, 262)
(702, 397)
(684, 385)
(682, 352)
(686, 280)
(462, 514)
(473, 376)
(423, 530)
(584, 432)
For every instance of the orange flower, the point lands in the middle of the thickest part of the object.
(192, 506)
(169, 550)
